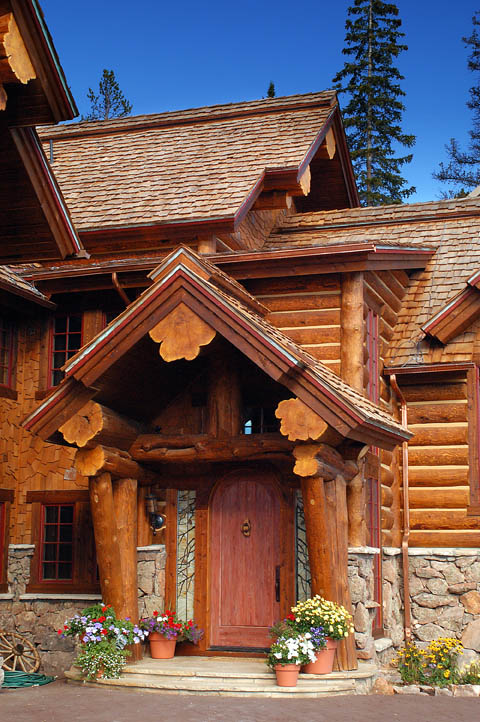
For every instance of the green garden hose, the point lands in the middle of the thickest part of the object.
(22, 679)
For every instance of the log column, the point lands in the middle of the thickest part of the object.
(106, 541)
(320, 552)
(125, 500)
(352, 371)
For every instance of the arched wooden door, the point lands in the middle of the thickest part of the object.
(245, 561)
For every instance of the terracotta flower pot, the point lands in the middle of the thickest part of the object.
(160, 646)
(324, 661)
(287, 674)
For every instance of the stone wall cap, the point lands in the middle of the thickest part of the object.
(6, 596)
(434, 551)
(152, 548)
(363, 550)
(21, 546)
(60, 597)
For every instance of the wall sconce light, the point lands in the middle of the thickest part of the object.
(157, 520)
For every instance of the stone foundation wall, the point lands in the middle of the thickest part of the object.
(444, 594)
(362, 592)
(38, 616)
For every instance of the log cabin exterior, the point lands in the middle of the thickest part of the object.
(195, 309)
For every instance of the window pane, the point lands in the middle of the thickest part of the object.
(61, 324)
(66, 514)
(51, 514)
(49, 552)
(59, 359)
(75, 324)
(50, 532)
(64, 570)
(65, 533)
(60, 343)
(49, 571)
(57, 377)
(74, 341)
(65, 552)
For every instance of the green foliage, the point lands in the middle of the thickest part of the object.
(271, 90)
(296, 648)
(103, 659)
(463, 170)
(437, 665)
(110, 102)
(374, 110)
(470, 674)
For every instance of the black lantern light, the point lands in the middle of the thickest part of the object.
(157, 520)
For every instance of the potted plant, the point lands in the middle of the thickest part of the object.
(103, 638)
(165, 630)
(334, 622)
(288, 653)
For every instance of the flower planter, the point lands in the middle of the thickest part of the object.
(287, 674)
(161, 647)
(324, 661)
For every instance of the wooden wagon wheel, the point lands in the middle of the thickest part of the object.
(18, 653)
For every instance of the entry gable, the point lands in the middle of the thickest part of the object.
(457, 314)
(182, 284)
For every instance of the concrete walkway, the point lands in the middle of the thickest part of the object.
(60, 702)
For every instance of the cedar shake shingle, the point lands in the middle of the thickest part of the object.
(177, 167)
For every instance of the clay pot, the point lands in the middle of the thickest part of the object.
(324, 662)
(160, 646)
(287, 674)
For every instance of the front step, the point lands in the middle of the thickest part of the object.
(235, 677)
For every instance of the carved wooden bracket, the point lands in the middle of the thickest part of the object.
(298, 421)
(15, 63)
(323, 461)
(181, 334)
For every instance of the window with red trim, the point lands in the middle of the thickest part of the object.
(7, 353)
(371, 340)
(64, 559)
(375, 529)
(66, 340)
(57, 542)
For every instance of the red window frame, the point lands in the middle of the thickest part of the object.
(7, 352)
(55, 374)
(56, 544)
(372, 343)
(6, 498)
(374, 522)
(2, 540)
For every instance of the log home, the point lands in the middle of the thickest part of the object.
(206, 326)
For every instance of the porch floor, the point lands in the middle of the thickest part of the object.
(231, 676)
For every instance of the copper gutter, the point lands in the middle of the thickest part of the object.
(120, 290)
(407, 625)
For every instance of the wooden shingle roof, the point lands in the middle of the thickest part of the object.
(201, 165)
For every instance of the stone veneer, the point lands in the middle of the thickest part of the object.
(37, 616)
(444, 594)
(362, 592)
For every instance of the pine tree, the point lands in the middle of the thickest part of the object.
(271, 90)
(110, 101)
(373, 114)
(463, 170)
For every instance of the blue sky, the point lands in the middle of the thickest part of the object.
(168, 56)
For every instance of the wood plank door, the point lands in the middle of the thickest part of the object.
(245, 561)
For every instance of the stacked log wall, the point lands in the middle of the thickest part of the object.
(307, 309)
(439, 464)
(384, 293)
(27, 462)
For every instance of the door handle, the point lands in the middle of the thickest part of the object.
(246, 527)
(277, 584)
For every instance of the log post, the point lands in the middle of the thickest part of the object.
(351, 361)
(106, 541)
(144, 533)
(356, 500)
(322, 563)
(336, 503)
(224, 412)
(125, 501)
